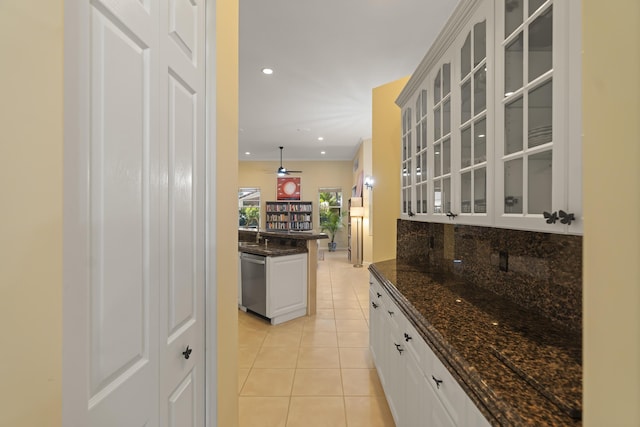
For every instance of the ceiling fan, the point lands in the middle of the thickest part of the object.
(282, 171)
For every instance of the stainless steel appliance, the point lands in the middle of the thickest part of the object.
(253, 269)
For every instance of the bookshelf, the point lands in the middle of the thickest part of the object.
(289, 216)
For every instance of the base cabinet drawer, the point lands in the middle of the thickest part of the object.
(420, 390)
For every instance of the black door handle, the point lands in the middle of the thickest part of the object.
(187, 352)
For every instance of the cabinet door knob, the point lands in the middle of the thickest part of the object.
(391, 313)
(399, 348)
(438, 382)
(550, 217)
(187, 352)
(566, 218)
(379, 294)
(407, 337)
(374, 304)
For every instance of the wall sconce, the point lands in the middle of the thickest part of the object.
(368, 182)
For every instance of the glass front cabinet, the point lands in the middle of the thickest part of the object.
(491, 119)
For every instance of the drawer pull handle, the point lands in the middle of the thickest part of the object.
(374, 304)
(438, 382)
(407, 337)
(391, 313)
(379, 294)
(399, 348)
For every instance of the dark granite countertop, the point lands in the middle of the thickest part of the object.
(296, 235)
(518, 367)
(270, 249)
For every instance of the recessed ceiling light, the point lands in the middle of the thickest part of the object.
(323, 152)
(247, 153)
(267, 71)
(320, 138)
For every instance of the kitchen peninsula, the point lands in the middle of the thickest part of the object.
(279, 243)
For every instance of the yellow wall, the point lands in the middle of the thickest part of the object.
(316, 175)
(363, 157)
(385, 198)
(31, 48)
(611, 125)
(227, 195)
(31, 213)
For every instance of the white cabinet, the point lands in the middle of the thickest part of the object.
(491, 119)
(286, 287)
(418, 387)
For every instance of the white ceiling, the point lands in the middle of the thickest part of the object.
(327, 56)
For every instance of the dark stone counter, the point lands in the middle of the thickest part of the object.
(518, 367)
(270, 249)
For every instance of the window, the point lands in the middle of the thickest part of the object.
(248, 207)
(330, 203)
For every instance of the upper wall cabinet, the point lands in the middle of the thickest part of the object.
(491, 119)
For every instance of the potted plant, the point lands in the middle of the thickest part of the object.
(331, 222)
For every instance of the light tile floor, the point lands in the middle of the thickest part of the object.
(317, 370)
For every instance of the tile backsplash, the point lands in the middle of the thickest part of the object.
(541, 271)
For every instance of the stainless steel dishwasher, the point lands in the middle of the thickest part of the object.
(253, 269)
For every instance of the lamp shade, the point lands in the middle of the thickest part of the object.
(357, 211)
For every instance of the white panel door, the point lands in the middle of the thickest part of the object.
(182, 89)
(134, 209)
(123, 216)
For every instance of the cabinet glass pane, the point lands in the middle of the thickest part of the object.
(465, 104)
(446, 194)
(513, 127)
(446, 117)
(465, 147)
(480, 190)
(446, 79)
(418, 171)
(465, 190)
(465, 57)
(437, 92)
(513, 186)
(423, 166)
(539, 179)
(418, 137)
(479, 91)
(446, 156)
(424, 102)
(437, 169)
(424, 134)
(480, 142)
(513, 11)
(436, 123)
(406, 198)
(404, 148)
(422, 197)
(541, 45)
(535, 5)
(409, 172)
(405, 174)
(513, 63)
(479, 42)
(540, 115)
(437, 196)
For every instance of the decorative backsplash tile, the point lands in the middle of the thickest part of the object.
(542, 271)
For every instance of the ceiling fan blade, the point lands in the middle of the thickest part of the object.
(289, 171)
